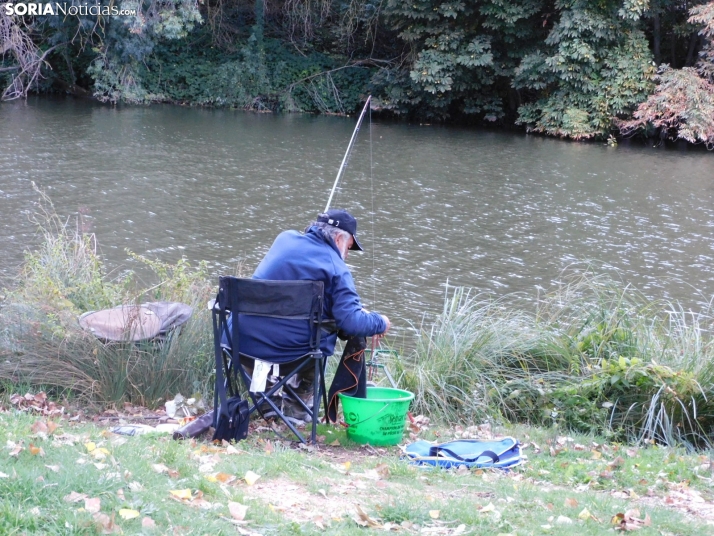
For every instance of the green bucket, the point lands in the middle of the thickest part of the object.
(379, 418)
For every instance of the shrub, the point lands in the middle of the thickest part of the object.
(592, 357)
(41, 342)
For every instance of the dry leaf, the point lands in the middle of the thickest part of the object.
(488, 508)
(181, 493)
(36, 451)
(106, 522)
(383, 470)
(90, 446)
(51, 427)
(251, 478)
(92, 505)
(148, 523)
(617, 462)
(434, 514)
(585, 515)
(347, 466)
(225, 478)
(135, 486)
(74, 497)
(39, 427)
(237, 510)
(159, 468)
(364, 520)
(127, 513)
(571, 503)
(596, 454)
(53, 468)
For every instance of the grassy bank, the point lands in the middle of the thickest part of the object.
(72, 477)
(592, 356)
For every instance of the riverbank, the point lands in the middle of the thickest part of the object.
(70, 476)
(590, 356)
(576, 70)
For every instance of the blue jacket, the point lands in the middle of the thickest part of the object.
(312, 256)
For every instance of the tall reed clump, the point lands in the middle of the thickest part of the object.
(591, 356)
(42, 344)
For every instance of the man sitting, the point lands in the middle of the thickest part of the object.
(318, 254)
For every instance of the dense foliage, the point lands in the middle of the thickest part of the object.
(570, 68)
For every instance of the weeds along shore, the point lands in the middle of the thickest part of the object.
(592, 356)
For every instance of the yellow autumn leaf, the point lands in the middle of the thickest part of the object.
(347, 465)
(488, 508)
(434, 514)
(211, 478)
(90, 446)
(128, 513)
(181, 493)
(251, 478)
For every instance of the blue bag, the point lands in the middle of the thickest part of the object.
(500, 454)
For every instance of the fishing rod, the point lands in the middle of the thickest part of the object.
(347, 152)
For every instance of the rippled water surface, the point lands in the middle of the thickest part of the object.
(500, 212)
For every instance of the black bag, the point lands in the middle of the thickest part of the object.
(232, 424)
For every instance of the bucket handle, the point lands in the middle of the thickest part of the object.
(386, 405)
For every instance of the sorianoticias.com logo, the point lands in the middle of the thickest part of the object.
(63, 8)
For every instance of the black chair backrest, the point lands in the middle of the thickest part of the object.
(294, 300)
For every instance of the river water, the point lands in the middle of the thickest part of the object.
(499, 212)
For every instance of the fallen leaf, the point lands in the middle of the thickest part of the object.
(148, 523)
(36, 451)
(237, 510)
(225, 478)
(53, 468)
(127, 513)
(365, 520)
(120, 494)
(106, 522)
(135, 486)
(74, 497)
(585, 515)
(90, 446)
(563, 520)
(596, 454)
(617, 462)
(571, 503)
(39, 427)
(251, 478)
(92, 505)
(159, 468)
(51, 427)
(181, 493)
(488, 508)
(434, 514)
(3, 475)
(100, 466)
(383, 470)
(347, 466)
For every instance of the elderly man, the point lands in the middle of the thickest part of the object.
(318, 254)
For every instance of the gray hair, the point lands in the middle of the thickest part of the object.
(332, 231)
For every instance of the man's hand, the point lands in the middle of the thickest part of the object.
(389, 324)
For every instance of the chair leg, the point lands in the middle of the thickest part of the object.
(316, 399)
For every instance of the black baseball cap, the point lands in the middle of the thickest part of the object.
(342, 219)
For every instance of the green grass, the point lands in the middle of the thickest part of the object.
(317, 492)
(592, 356)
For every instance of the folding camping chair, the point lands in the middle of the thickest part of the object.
(293, 300)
